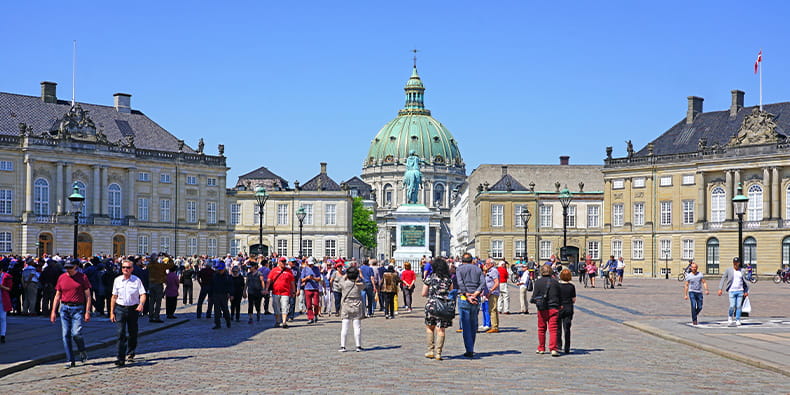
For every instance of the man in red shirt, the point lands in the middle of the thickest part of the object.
(503, 304)
(73, 293)
(283, 287)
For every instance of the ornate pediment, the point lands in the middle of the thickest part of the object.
(77, 125)
(757, 128)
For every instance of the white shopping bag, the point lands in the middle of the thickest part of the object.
(746, 307)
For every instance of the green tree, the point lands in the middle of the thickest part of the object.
(363, 225)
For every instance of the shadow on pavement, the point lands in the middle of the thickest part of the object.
(584, 351)
(490, 354)
(379, 348)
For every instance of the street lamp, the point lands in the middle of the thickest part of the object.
(565, 199)
(76, 200)
(300, 214)
(260, 197)
(666, 263)
(525, 216)
(739, 203)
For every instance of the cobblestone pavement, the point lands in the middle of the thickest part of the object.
(607, 356)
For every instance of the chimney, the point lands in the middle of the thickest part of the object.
(564, 159)
(323, 167)
(504, 171)
(123, 102)
(737, 102)
(695, 107)
(48, 92)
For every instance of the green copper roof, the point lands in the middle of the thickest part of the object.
(414, 129)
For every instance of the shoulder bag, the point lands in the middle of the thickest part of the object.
(541, 302)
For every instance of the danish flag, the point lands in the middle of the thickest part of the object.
(758, 61)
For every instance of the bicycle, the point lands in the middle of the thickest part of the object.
(750, 276)
(608, 279)
(782, 277)
(682, 276)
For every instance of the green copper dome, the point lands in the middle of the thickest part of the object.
(414, 129)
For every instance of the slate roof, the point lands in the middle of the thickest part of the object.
(507, 184)
(327, 184)
(261, 173)
(41, 116)
(716, 127)
(363, 189)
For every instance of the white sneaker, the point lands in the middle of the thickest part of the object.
(729, 320)
(737, 322)
(483, 328)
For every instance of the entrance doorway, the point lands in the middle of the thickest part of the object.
(118, 245)
(84, 245)
(569, 254)
(45, 244)
(259, 249)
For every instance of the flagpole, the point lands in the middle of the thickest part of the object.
(761, 82)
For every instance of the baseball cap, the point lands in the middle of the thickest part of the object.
(282, 259)
(70, 263)
(219, 265)
(736, 259)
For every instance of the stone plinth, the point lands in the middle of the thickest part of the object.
(413, 232)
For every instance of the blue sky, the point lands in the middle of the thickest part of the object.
(287, 85)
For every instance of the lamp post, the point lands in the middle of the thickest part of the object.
(565, 199)
(739, 203)
(300, 214)
(76, 200)
(666, 263)
(525, 216)
(260, 197)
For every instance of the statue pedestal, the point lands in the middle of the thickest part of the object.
(412, 234)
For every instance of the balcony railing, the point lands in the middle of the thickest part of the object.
(86, 220)
(119, 221)
(751, 224)
(46, 219)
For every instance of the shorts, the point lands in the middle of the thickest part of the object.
(280, 304)
(619, 272)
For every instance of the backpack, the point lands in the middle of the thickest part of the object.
(541, 302)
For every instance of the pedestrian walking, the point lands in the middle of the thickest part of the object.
(188, 283)
(171, 293)
(73, 294)
(524, 286)
(567, 300)
(205, 278)
(6, 283)
(692, 291)
(221, 289)
(311, 285)
(389, 287)
(157, 273)
(503, 300)
(254, 291)
(30, 278)
(408, 278)
(737, 288)
(591, 272)
(351, 308)
(492, 283)
(238, 292)
(546, 297)
(126, 304)
(620, 267)
(336, 283)
(471, 284)
(437, 289)
(282, 285)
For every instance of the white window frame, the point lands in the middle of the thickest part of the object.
(497, 215)
(191, 211)
(211, 212)
(143, 245)
(192, 246)
(618, 218)
(755, 205)
(6, 201)
(639, 213)
(235, 213)
(617, 248)
(593, 249)
(517, 210)
(637, 249)
(665, 245)
(211, 181)
(115, 201)
(164, 178)
(164, 210)
(638, 182)
(191, 180)
(665, 181)
(545, 249)
(688, 248)
(518, 248)
(6, 242)
(142, 209)
(211, 246)
(307, 247)
(497, 249)
(41, 197)
(571, 216)
(282, 214)
(666, 212)
(330, 247)
(594, 216)
(308, 213)
(638, 271)
(144, 176)
(687, 179)
(330, 214)
(82, 188)
(618, 183)
(546, 212)
(718, 204)
(164, 244)
(235, 246)
(282, 247)
(6, 165)
(688, 212)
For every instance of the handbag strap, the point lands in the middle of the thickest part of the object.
(276, 277)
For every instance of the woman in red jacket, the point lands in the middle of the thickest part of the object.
(407, 278)
(5, 299)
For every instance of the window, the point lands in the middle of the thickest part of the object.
(211, 212)
(497, 247)
(787, 203)
(235, 214)
(5, 241)
(712, 256)
(638, 182)
(750, 252)
(191, 180)
(755, 210)
(234, 246)
(497, 214)
(666, 213)
(688, 179)
(718, 202)
(330, 214)
(282, 214)
(617, 214)
(211, 182)
(388, 195)
(191, 211)
(41, 197)
(6, 165)
(618, 184)
(666, 270)
(142, 209)
(114, 201)
(617, 248)
(438, 195)
(256, 214)
(594, 249)
(164, 244)
(192, 246)
(211, 248)
(142, 245)
(307, 247)
(545, 249)
(545, 216)
(518, 209)
(639, 213)
(282, 247)
(144, 176)
(6, 201)
(638, 271)
(665, 181)
(308, 214)
(637, 249)
(518, 249)
(665, 246)
(164, 178)
(164, 210)
(330, 247)
(786, 251)
(571, 223)
(688, 212)
(688, 249)
(593, 213)
(82, 190)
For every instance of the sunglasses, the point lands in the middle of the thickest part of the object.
(126, 267)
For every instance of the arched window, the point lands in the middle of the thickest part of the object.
(387, 195)
(712, 256)
(41, 197)
(755, 210)
(750, 252)
(786, 251)
(718, 205)
(82, 190)
(438, 195)
(114, 201)
(787, 202)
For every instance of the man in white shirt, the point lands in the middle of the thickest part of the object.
(128, 299)
(620, 269)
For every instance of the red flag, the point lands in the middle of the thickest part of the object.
(758, 61)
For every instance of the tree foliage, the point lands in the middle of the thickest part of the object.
(363, 225)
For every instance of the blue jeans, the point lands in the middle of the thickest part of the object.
(71, 325)
(486, 314)
(696, 304)
(468, 313)
(736, 300)
(368, 298)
